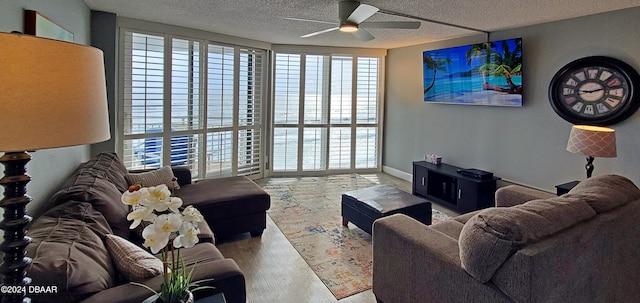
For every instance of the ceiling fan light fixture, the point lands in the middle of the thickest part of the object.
(348, 27)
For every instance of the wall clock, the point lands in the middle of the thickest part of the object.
(595, 90)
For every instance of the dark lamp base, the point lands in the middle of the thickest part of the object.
(589, 166)
(14, 223)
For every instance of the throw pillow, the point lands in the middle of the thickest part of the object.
(154, 178)
(131, 261)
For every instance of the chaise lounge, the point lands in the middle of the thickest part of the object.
(230, 205)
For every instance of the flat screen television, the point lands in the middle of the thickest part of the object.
(479, 74)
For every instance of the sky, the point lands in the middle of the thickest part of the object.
(459, 59)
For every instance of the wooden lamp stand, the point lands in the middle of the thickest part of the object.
(14, 223)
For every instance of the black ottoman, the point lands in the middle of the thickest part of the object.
(363, 206)
(230, 205)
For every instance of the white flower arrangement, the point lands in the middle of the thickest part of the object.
(156, 205)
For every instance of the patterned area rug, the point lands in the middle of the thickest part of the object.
(307, 211)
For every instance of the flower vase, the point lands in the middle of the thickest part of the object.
(189, 299)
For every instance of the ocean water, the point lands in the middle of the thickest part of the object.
(454, 89)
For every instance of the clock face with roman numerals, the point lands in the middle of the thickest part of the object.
(595, 90)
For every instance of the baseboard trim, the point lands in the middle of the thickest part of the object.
(397, 173)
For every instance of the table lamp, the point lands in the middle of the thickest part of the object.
(52, 94)
(592, 141)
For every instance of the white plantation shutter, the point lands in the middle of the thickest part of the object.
(219, 153)
(143, 100)
(191, 102)
(315, 149)
(286, 112)
(316, 113)
(340, 148)
(366, 153)
(367, 91)
(287, 89)
(316, 90)
(220, 89)
(366, 147)
(326, 113)
(185, 104)
(250, 112)
(285, 149)
(341, 89)
(185, 86)
(220, 103)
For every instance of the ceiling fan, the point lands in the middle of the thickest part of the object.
(352, 15)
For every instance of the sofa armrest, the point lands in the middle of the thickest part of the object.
(515, 194)
(415, 263)
(183, 174)
(206, 234)
(228, 279)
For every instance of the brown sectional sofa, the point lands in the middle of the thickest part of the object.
(583, 246)
(68, 249)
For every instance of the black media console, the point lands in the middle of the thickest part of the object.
(443, 184)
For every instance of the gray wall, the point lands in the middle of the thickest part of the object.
(525, 145)
(49, 167)
(104, 35)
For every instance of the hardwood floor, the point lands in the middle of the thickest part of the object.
(275, 272)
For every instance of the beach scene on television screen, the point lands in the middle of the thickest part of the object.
(481, 74)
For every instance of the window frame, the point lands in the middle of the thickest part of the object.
(256, 126)
(304, 51)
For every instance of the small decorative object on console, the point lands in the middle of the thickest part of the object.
(433, 159)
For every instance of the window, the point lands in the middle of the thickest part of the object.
(191, 102)
(326, 113)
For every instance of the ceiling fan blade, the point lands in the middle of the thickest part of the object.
(311, 20)
(355, 12)
(392, 24)
(363, 35)
(320, 32)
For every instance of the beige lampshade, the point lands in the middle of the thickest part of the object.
(52, 94)
(592, 141)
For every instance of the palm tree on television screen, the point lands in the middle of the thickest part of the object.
(436, 65)
(498, 61)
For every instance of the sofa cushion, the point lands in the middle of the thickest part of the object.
(451, 228)
(104, 166)
(465, 217)
(83, 211)
(494, 234)
(68, 252)
(606, 192)
(103, 195)
(132, 262)
(156, 177)
(511, 195)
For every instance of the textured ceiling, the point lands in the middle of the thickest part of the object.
(263, 19)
